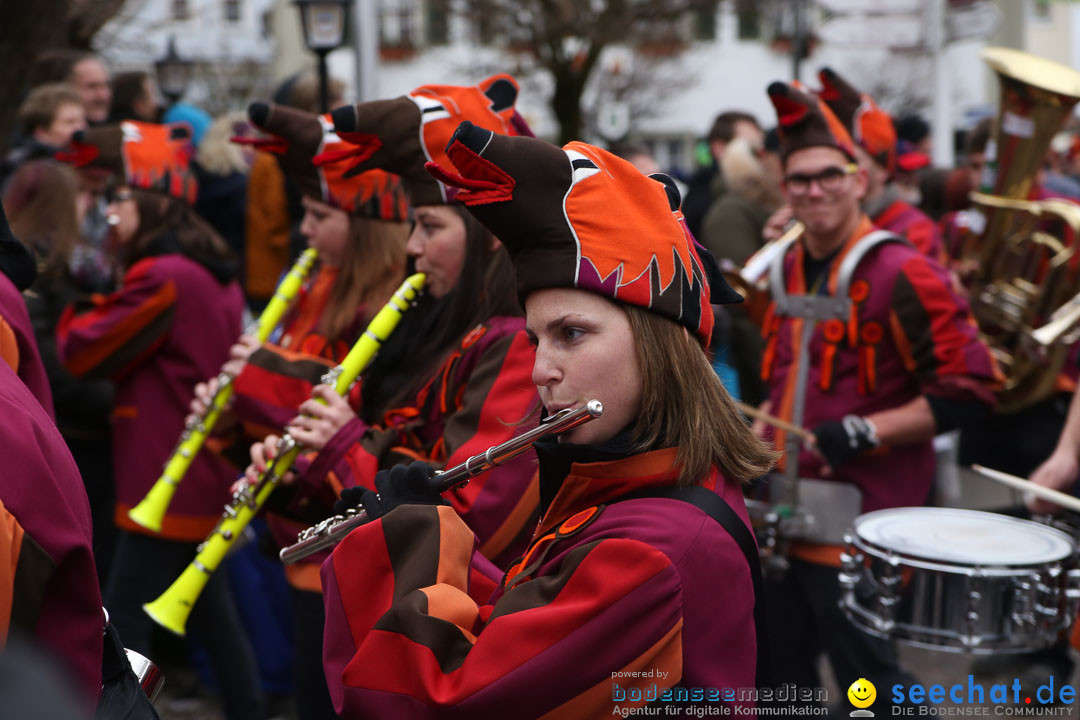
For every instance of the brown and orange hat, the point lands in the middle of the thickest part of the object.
(804, 121)
(148, 156)
(581, 217)
(869, 125)
(297, 137)
(402, 134)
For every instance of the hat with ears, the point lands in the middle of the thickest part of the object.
(870, 126)
(581, 217)
(403, 134)
(148, 156)
(296, 137)
(804, 121)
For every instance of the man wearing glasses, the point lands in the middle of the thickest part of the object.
(869, 348)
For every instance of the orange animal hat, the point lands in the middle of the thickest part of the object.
(581, 217)
(298, 137)
(868, 124)
(148, 156)
(805, 121)
(402, 134)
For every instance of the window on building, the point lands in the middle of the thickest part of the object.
(399, 22)
(232, 10)
(705, 24)
(438, 26)
(748, 15)
(181, 10)
(1042, 9)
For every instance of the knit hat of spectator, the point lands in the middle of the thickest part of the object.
(581, 217)
(869, 125)
(804, 121)
(297, 137)
(142, 155)
(402, 134)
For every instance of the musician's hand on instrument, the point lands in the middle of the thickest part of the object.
(777, 223)
(262, 454)
(759, 426)
(1058, 472)
(239, 354)
(318, 422)
(838, 441)
(400, 485)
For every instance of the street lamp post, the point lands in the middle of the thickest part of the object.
(173, 73)
(324, 23)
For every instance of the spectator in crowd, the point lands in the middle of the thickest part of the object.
(85, 72)
(914, 133)
(45, 215)
(222, 168)
(48, 117)
(134, 97)
(704, 186)
(273, 207)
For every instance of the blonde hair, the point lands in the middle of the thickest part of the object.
(217, 153)
(370, 271)
(684, 405)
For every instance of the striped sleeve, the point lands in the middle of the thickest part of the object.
(404, 639)
(273, 384)
(937, 337)
(121, 330)
(481, 395)
(25, 572)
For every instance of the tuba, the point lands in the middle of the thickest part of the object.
(1025, 287)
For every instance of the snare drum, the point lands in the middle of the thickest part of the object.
(960, 580)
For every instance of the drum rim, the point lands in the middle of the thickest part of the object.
(938, 563)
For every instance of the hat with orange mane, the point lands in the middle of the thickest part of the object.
(580, 217)
(804, 121)
(402, 134)
(142, 155)
(869, 125)
(297, 137)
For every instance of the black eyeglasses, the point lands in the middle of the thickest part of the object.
(115, 195)
(830, 179)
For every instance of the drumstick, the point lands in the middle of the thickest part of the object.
(1058, 498)
(774, 421)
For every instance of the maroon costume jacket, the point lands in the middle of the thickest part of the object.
(473, 401)
(169, 327)
(48, 581)
(18, 347)
(613, 603)
(908, 334)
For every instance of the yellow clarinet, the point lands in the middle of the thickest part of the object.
(150, 512)
(171, 610)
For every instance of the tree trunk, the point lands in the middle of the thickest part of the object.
(26, 29)
(566, 105)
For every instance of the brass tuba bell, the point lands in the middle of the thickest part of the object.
(1026, 262)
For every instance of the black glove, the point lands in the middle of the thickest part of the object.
(400, 485)
(841, 440)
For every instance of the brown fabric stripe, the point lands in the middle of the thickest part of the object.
(407, 529)
(445, 640)
(32, 575)
(141, 342)
(542, 591)
(294, 365)
(915, 324)
(481, 379)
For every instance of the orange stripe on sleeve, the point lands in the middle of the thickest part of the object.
(11, 537)
(9, 346)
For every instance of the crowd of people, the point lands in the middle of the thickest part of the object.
(138, 245)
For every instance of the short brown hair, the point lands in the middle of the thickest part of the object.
(39, 108)
(684, 405)
(723, 128)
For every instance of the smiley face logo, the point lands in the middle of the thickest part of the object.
(862, 694)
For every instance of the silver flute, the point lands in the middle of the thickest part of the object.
(333, 529)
